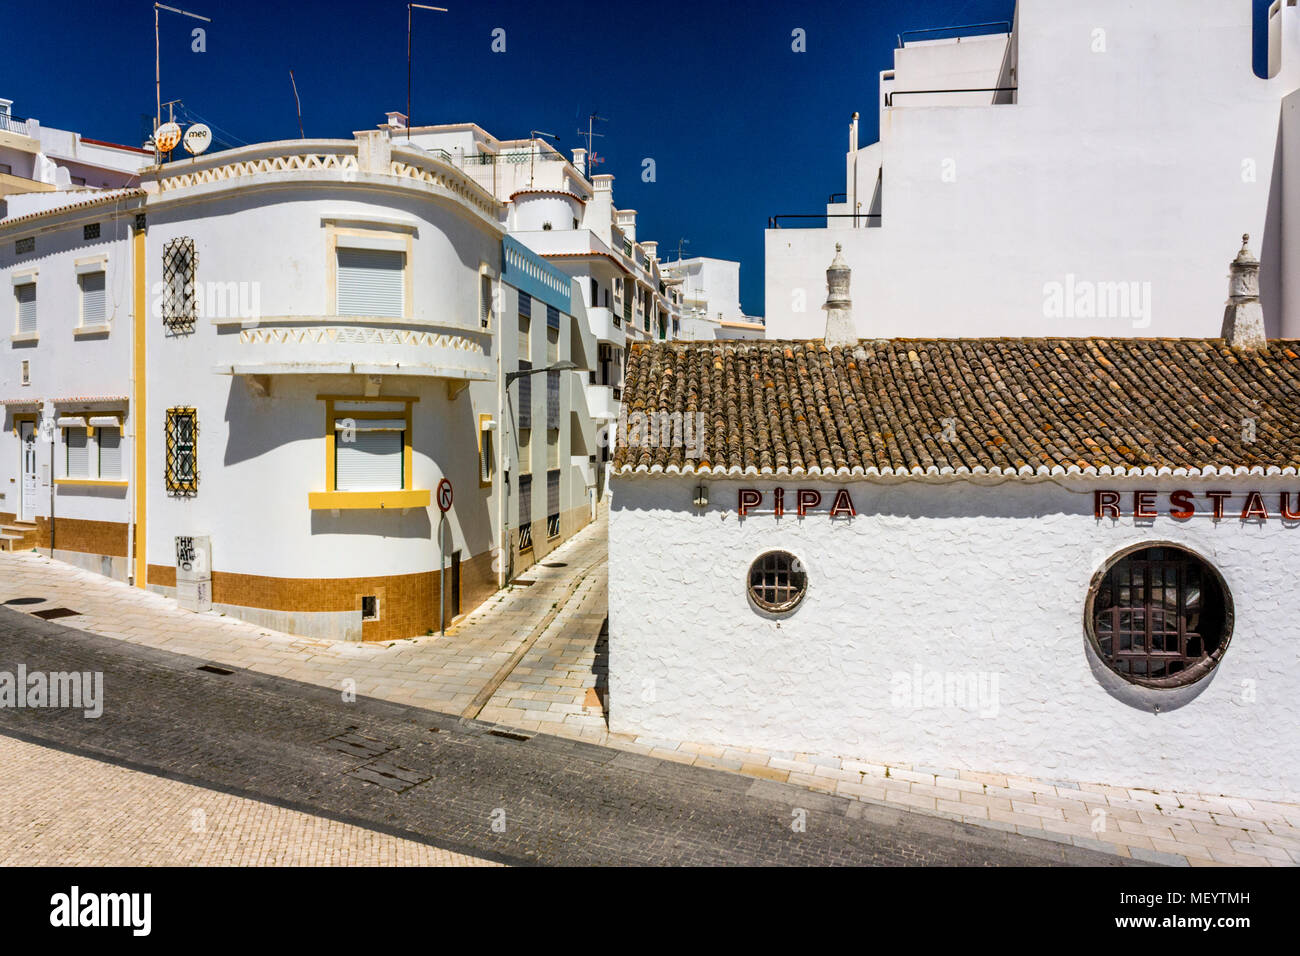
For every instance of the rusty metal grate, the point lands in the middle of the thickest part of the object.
(214, 669)
(508, 735)
(49, 614)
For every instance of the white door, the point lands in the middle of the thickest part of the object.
(27, 505)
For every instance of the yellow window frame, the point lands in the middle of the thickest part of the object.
(332, 499)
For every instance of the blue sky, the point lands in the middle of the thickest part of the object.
(739, 125)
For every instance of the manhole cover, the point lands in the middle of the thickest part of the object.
(388, 775)
(26, 600)
(51, 613)
(555, 564)
(355, 745)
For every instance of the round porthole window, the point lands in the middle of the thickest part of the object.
(777, 581)
(1159, 616)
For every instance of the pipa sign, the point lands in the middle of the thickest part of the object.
(444, 495)
(197, 138)
(166, 137)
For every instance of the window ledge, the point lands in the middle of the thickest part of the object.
(97, 482)
(341, 500)
(25, 337)
(99, 328)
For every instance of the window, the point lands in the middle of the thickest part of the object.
(27, 372)
(93, 302)
(25, 297)
(1159, 616)
(525, 512)
(180, 262)
(182, 478)
(90, 231)
(24, 246)
(525, 363)
(486, 459)
(371, 282)
(525, 451)
(552, 379)
(369, 608)
(370, 446)
(777, 581)
(485, 301)
(552, 504)
(76, 453)
(92, 451)
(108, 438)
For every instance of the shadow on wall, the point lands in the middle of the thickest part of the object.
(260, 425)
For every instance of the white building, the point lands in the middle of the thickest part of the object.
(37, 159)
(281, 351)
(711, 298)
(1070, 558)
(1083, 188)
(560, 210)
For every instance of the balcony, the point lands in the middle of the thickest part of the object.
(606, 326)
(603, 402)
(353, 345)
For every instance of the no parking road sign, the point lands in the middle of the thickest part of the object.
(444, 495)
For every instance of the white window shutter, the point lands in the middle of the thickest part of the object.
(93, 301)
(371, 282)
(78, 452)
(372, 461)
(26, 295)
(110, 452)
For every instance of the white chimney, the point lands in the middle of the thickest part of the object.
(1243, 320)
(580, 160)
(839, 308)
(853, 134)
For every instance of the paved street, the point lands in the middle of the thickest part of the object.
(57, 808)
(441, 780)
(534, 658)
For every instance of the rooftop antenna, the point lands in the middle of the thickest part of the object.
(157, 67)
(298, 103)
(409, 7)
(590, 133)
(533, 135)
(680, 243)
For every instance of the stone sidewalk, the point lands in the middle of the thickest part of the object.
(534, 657)
(60, 809)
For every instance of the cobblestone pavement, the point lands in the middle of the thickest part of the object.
(57, 808)
(463, 785)
(506, 663)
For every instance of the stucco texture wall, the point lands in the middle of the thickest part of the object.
(961, 580)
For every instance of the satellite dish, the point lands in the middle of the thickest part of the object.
(197, 138)
(166, 137)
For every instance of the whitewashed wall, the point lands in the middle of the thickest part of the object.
(956, 579)
(259, 457)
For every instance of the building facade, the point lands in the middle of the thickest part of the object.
(1065, 558)
(1081, 185)
(244, 383)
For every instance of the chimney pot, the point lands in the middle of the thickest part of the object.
(1243, 320)
(839, 308)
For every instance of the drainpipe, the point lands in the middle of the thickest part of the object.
(52, 444)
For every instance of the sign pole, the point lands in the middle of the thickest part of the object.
(443, 497)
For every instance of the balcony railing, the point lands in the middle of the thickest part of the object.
(889, 97)
(13, 124)
(964, 26)
(817, 220)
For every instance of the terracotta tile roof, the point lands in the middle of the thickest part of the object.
(1013, 406)
(97, 198)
